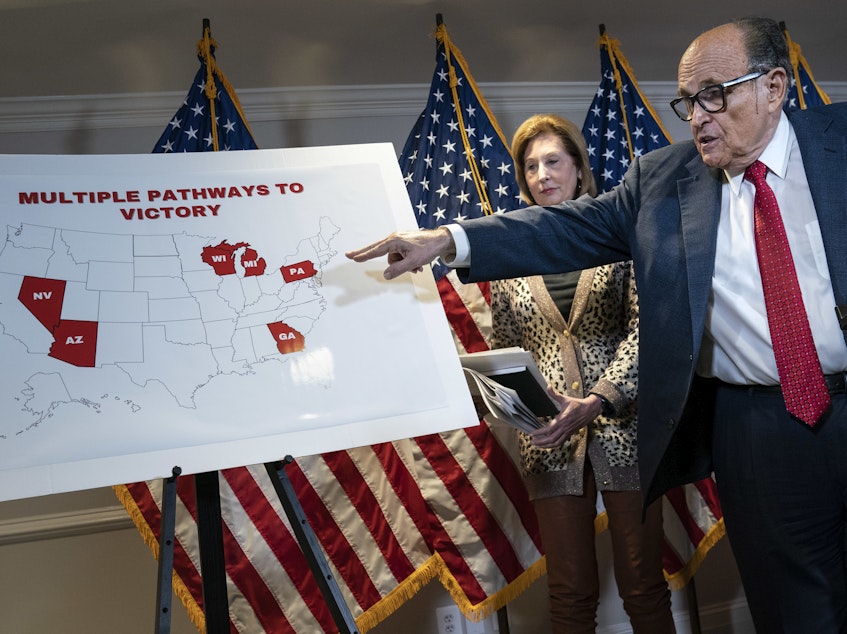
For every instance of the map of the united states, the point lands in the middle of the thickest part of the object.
(177, 310)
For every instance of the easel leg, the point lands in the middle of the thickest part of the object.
(311, 548)
(164, 592)
(212, 563)
(503, 620)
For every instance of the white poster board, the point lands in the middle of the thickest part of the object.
(197, 310)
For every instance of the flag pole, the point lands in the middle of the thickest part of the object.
(204, 49)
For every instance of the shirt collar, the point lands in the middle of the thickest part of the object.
(774, 156)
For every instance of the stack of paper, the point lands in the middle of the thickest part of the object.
(510, 385)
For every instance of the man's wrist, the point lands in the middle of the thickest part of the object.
(447, 244)
(460, 256)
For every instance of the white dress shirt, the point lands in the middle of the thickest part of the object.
(737, 344)
(462, 259)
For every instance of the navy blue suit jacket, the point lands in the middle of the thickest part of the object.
(664, 217)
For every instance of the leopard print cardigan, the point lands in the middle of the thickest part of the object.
(595, 350)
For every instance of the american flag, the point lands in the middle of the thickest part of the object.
(803, 92)
(210, 98)
(620, 126)
(457, 165)
(389, 518)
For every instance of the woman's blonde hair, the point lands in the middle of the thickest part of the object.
(572, 140)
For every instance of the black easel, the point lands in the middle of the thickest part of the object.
(210, 538)
(166, 554)
(311, 548)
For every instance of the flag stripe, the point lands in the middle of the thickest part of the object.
(366, 504)
(402, 481)
(459, 484)
(269, 525)
(336, 545)
(149, 504)
(709, 493)
(679, 502)
(274, 561)
(246, 579)
(502, 467)
(461, 310)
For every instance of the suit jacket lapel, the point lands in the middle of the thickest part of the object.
(699, 203)
(825, 162)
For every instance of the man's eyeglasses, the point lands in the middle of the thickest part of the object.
(711, 98)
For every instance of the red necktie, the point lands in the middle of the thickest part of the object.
(800, 374)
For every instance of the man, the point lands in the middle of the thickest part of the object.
(711, 393)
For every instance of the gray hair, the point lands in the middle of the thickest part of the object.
(766, 45)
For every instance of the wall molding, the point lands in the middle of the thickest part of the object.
(45, 114)
(67, 524)
(65, 112)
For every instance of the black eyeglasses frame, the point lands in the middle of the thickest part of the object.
(689, 101)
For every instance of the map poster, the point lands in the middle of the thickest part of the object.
(197, 310)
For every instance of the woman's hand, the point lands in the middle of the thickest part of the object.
(574, 414)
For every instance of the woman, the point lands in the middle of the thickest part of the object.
(582, 330)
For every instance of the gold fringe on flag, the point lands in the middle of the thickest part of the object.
(391, 602)
(678, 580)
(490, 605)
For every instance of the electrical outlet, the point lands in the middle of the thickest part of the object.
(449, 620)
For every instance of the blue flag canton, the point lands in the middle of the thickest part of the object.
(190, 129)
(436, 169)
(811, 96)
(604, 128)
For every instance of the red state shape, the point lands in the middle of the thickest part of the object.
(252, 263)
(43, 298)
(298, 271)
(288, 339)
(222, 257)
(75, 342)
